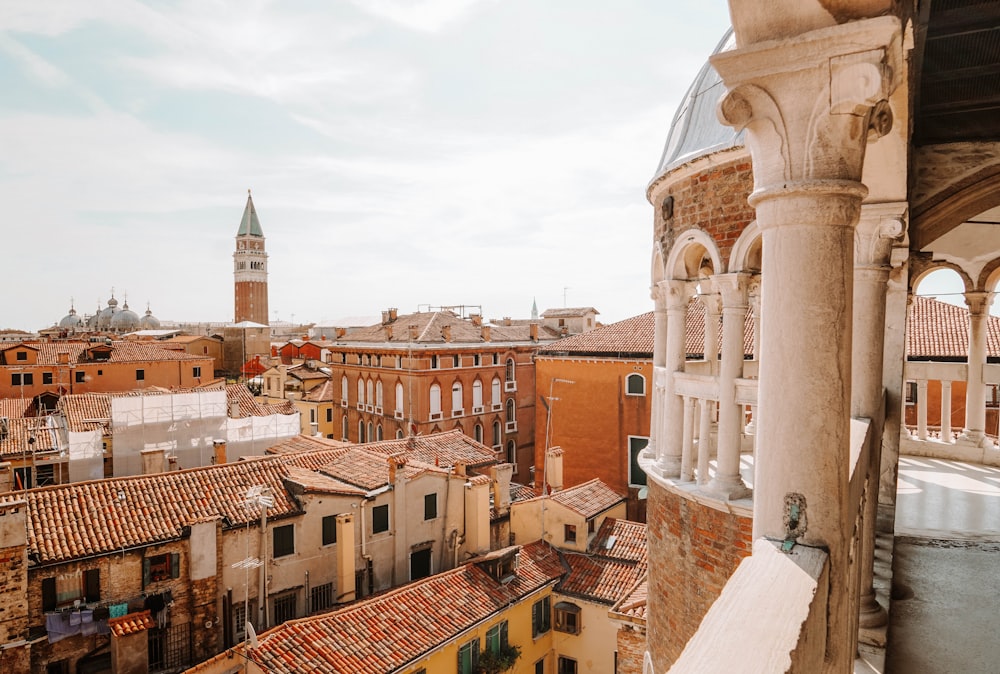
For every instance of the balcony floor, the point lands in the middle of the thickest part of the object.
(947, 552)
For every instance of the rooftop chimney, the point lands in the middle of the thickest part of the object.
(486, 333)
(414, 332)
(153, 461)
(533, 331)
(554, 469)
(385, 317)
(477, 319)
(345, 557)
(446, 333)
(500, 479)
(340, 332)
(506, 321)
(393, 313)
(6, 477)
(62, 358)
(220, 451)
(388, 333)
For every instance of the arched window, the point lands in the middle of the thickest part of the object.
(477, 397)
(456, 398)
(399, 397)
(361, 431)
(378, 393)
(361, 391)
(495, 393)
(378, 432)
(370, 435)
(343, 428)
(511, 452)
(370, 397)
(435, 400)
(478, 432)
(343, 388)
(509, 370)
(399, 433)
(496, 434)
(511, 416)
(635, 385)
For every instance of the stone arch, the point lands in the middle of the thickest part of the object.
(657, 267)
(746, 252)
(979, 192)
(687, 257)
(989, 277)
(920, 268)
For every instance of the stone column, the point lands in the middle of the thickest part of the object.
(687, 440)
(727, 483)
(921, 409)
(712, 304)
(659, 360)
(897, 300)
(880, 225)
(975, 394)
(669, 439)
(754, 297)
(946, 411)
(808, 106)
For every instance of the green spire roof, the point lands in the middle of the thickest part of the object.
(250, 225)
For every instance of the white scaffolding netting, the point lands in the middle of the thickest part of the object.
(86, 455)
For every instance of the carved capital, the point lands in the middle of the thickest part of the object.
(978, 302)
(734, 288)
(880, 227)
(675, 294)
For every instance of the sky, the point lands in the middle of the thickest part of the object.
(401, 153)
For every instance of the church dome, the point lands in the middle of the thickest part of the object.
(105, 315)
(71, 320)
(124, 320)
(695, 130)
(149, 321)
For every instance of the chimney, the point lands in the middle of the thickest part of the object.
(413, 332)
(345, 557)
(153, 461)
(477, 319)
(6, 477)
(388, 333)
(500, 478)
(533, 331)
(486, 333)
(393, 313)
(446, 333)
(554, 469)
(396, 461)
(564, 330)
(506, 321)
(460, 468)
(219, 446)
(274, 351)
(305, 338)
(234, 409)
(340, 332)
(385, 317)
(477, 514)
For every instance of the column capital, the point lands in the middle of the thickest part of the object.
(712, 302)
(880, 227)
(978, 302)
(734, 288)
(675, 294)
(809, 107)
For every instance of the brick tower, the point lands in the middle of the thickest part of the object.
(250, 268)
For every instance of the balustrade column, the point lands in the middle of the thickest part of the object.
(659, 360)
(975, 393)
(946, 411)
(754, 298)
(921, 409)
(669, 441)
(687, 440)
(705, 411)
(727, 483)
(712, 304)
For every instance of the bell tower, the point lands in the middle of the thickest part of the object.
(250, 268)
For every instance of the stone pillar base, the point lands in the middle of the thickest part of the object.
(728, 489)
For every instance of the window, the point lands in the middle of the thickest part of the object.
(911, 393)
(420, 563)
(321, 597)
(430, 506)
(370, 398)
(361, 431)
(569, 533)
(380, 519)
(78, 376)
(343, 388)
(196, 371)
(45, 474)
(399, 398)
(22, 355)
(540, 666)
(495, 392)
(477, 397)
(456, 397)
(567, 617)
(399, 433)
(456, 361)
(19, 379)
(378, 393)
(284, 608)
(636, 476)
(477, 432)
(361, 391)
(434, 362)
(496, 638)
(496, 433)
(46, 377)
(496, 358)
(540, 617)
(512, 453)
(468, 657)
(160, 567)
(329, 415)
(140, 375)
(343, 427)
(65, 589)
(60, 667)
(370, 436)
(566, 665)
(635, 385)
(312, 415)
(329, 530)
(509, 370)
(283, 540)
(378, 433)
(435, 400)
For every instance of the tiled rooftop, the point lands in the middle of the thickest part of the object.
(368, 470)
(87, 411)
(131, 623)
(606, 574)
(385, 632)
(250, 407)
(633, 336)
(430, 325)
(940, 330)
(632, 607)
(312, 482)
(16, 434)
(588, 499)
(620, 539)
(305, 443)
(439, 449)
(323, 393)
(121, 352)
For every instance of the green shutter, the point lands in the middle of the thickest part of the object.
(175, 565)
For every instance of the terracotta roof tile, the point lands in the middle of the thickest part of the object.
(633, 336)
(937, 329)
(131, 623)
(250, 407)
(632, 607)
(305, 443)
(429, 327)
(385, 632)
(588, 499)
(620, 539)
(323, 393)
(599, 579)
(439, 449)
(120, 352)
(16, 435)
(312, 482)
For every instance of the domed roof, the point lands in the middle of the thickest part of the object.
(71, 320)
(124, 320)
(695, 130)
(149, 321)
(105, 315)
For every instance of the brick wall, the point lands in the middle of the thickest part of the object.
(631, 649)
(695, 549)
(714, 199)
(13, 574)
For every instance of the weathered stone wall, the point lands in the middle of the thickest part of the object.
(631, 649)
(695, 549)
